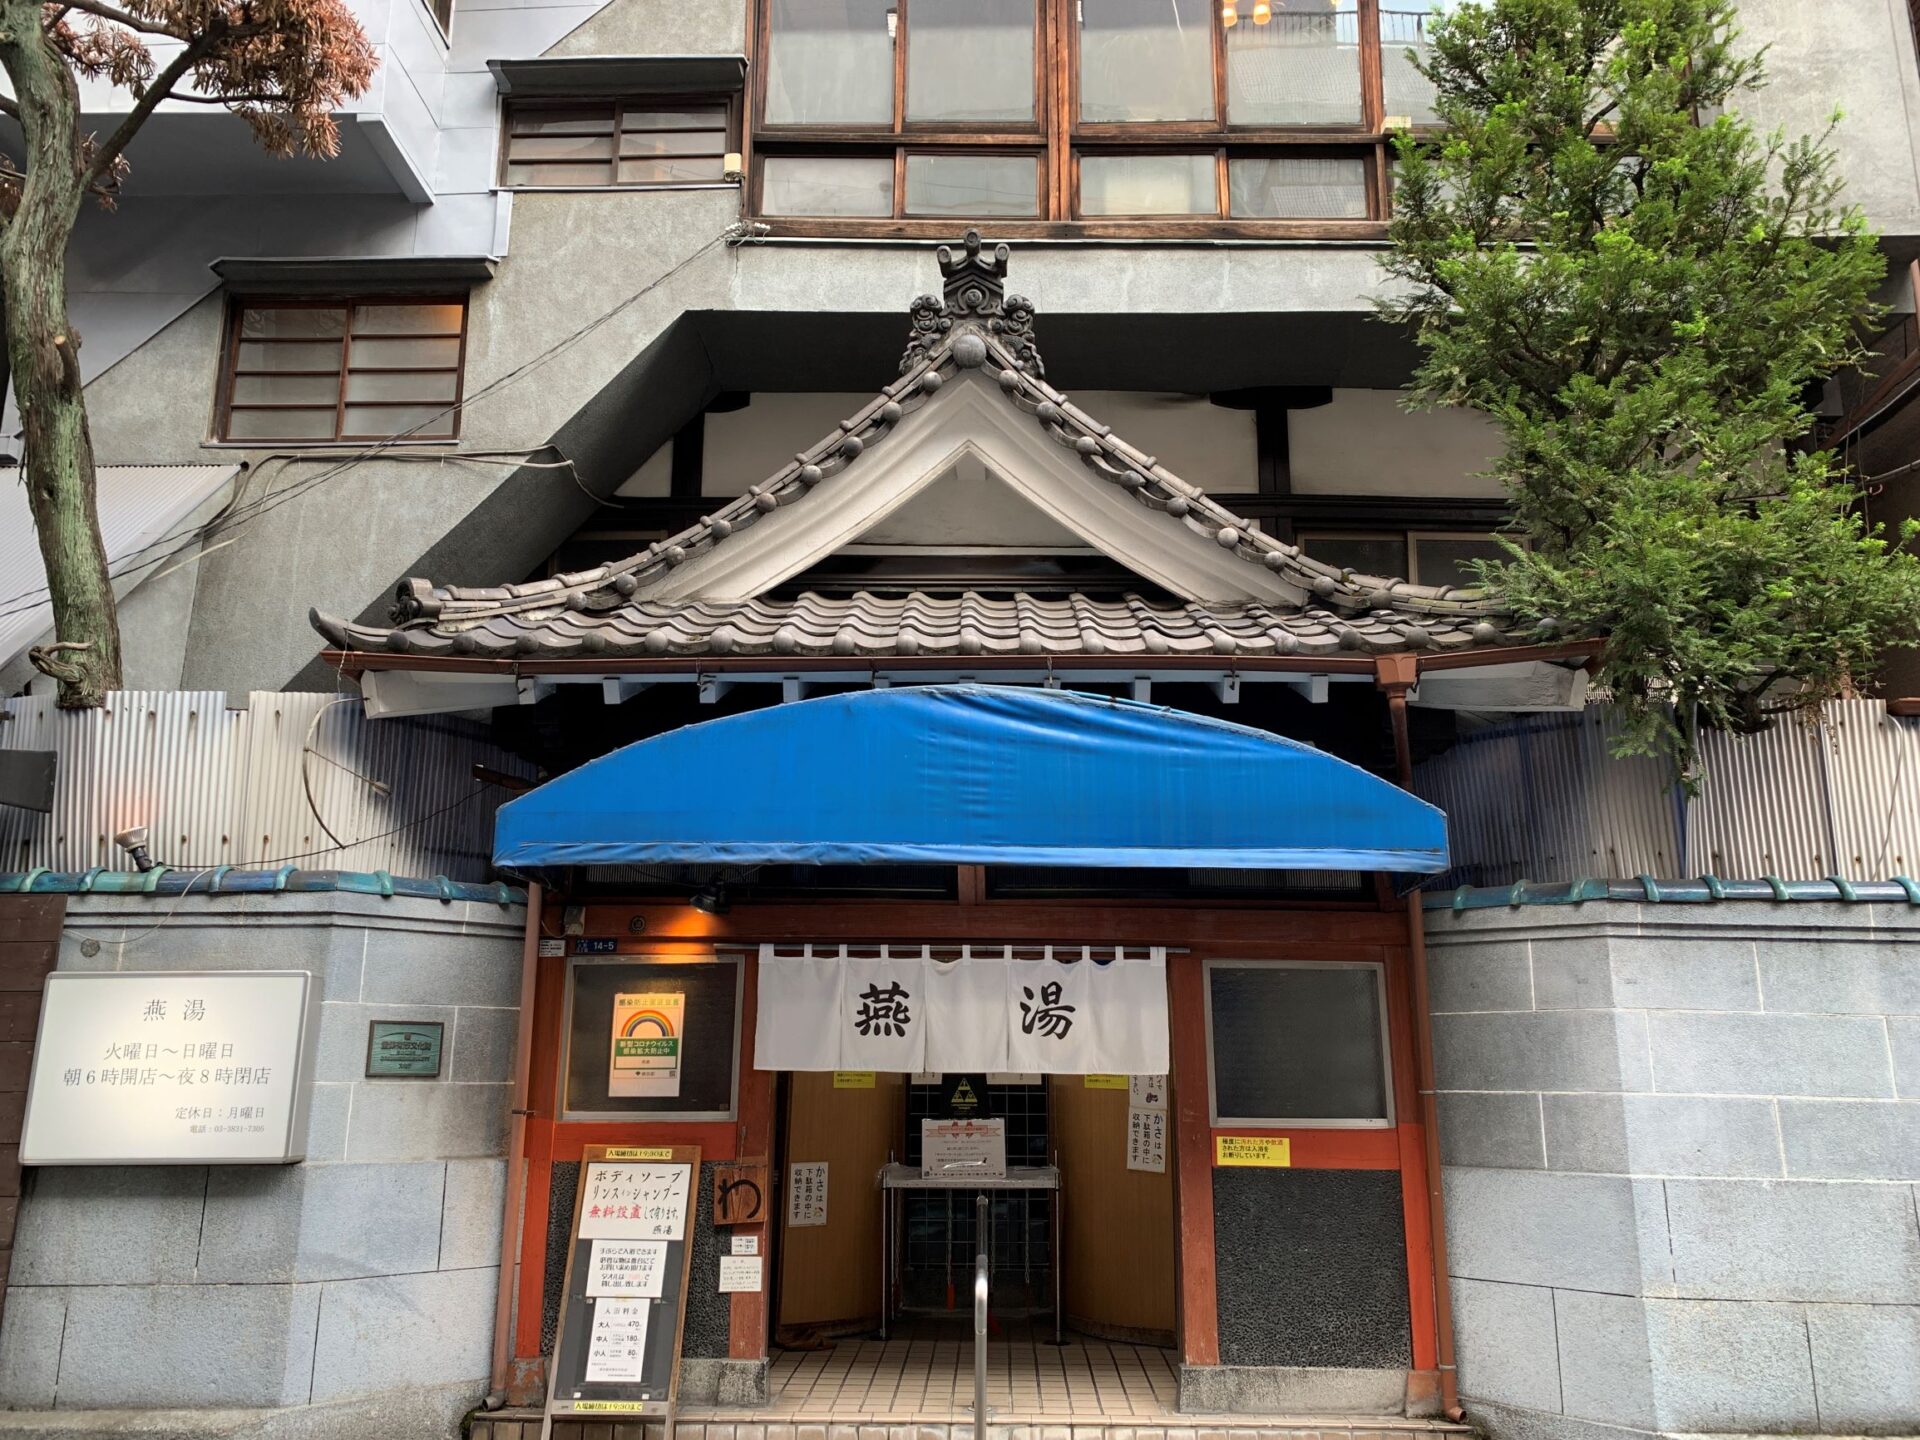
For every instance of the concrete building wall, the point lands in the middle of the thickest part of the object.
(353, 1291)
(1681, 1147)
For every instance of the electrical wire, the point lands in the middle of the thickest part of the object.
(241, 513)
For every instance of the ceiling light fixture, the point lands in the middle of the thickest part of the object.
(711, 898)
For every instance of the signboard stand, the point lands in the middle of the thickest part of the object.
(623, 1303)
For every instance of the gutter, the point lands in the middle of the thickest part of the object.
(516, 1185)
(1398, 674)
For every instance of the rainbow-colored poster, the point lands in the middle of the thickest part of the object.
(646, 1044)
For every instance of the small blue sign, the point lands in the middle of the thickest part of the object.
(606, 946)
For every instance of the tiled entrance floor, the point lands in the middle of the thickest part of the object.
(877, 1381)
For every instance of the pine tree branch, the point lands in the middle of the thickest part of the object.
(161, 88)
(122, 17)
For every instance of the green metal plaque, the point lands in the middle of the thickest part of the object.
(404, 1049)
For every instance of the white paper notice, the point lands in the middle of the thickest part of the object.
(648, 1032)
(969, 1149)
(739, 1273)
(617, 1349)
(1147, 1140)
(1147, 1092)
(626, 1201)
(632, 1268)
(807, 1193)
(746, 1244)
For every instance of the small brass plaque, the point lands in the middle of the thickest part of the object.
(404, 1049)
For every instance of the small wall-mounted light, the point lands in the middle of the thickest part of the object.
(734, 167)
(711, 899)
(1229, 14)
(133, 840)
(1262, 12)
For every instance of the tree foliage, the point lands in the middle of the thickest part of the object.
(283, 66)
(1642, 292)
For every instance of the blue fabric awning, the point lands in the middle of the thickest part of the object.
(972, 774)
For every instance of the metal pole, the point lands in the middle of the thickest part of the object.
(980, 1318)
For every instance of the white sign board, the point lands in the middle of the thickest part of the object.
(627, 1268)
(975, 1149)
(739, 1274)
(1147, 1140)
(617, 1348)
(807, 1193)
(171, 1068)
(630, 1200)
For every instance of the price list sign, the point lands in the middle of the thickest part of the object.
(628, 1261)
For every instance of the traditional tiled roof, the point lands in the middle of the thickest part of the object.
(916, 623)
(973, 326)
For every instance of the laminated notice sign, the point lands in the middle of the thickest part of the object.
(626, 1201)
(648, 1031)
(1272, 1151)
(1147, 1092)
(628, 1268)
(1147, 1140)
(966, 1149)
(616, 1351)
(807, 1193)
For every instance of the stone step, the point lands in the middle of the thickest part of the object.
(525, 1425)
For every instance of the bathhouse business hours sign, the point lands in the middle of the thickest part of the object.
(171, 1068)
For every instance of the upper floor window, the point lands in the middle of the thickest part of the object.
(662, 140)
(442, 14)
(306, 371)
(1109, 114)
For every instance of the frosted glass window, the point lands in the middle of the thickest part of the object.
(395, 366)
(1284, 187)
(1298, 1044)
(970, 60)
(1407, 25)
(1146, 60)
(826, 185)
(973, 185)
(1298, 66)
(830, 62)
(1147, 185)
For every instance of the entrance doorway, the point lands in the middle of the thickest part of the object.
(1104, 1254)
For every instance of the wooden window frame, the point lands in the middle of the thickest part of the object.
(618, 106)
(1060, 138)
(230, 371)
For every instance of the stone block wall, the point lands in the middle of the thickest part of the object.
(1681, 1145)
(358, 1283)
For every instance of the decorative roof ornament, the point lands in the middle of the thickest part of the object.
(973, 298)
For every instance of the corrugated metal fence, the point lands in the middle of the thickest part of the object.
(291, 779)
(1543, 799)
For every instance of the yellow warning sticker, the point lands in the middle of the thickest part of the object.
(1269, 1150)
(630, 1152)
(1105, 1082)
(853, 1079)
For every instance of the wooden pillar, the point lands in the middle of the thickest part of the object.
(749, 1322)
(1199, 1307)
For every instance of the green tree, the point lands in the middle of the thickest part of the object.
(282, 66)
(1600, 254)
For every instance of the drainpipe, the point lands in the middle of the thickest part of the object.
(516, 1157)
(1397, 674)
